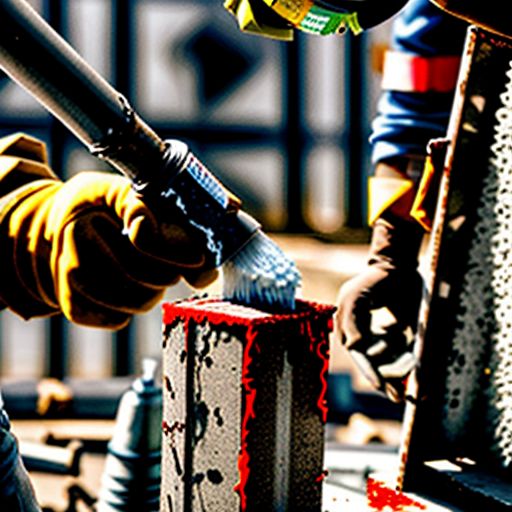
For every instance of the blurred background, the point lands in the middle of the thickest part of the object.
(284, 125)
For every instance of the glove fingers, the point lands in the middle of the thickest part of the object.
(165, 241)
(85, 310)
(200, 278)
(367, 368)
(172, 241)
(110, 257)
(387, 359)
(166, 234)
(375, 308)
(99, 235)
(390, 378)
(352, 318)
(376, 318)
(101, 265)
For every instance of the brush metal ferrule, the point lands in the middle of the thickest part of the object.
(204, 201)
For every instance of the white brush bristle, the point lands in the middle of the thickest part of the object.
(261, 275)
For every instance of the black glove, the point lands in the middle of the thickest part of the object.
(378, 309)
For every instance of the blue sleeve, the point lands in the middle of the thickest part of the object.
(406, 121)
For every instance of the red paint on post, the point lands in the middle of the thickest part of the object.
(322, 476)
(250, 396)
(319, 345)
(311, 320)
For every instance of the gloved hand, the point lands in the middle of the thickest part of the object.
(377, 310)
(87, 247)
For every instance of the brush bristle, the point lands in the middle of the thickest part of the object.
(262, 276)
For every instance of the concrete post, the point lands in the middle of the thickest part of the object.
(244, 407)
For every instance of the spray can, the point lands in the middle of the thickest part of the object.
(131, 477)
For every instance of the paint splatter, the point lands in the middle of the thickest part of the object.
(384, 498)
(322, 476)
(215, 476)
(218, 417)
(169, 388)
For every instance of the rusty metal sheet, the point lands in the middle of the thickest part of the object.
(460, 398)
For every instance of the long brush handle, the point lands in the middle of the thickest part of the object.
(166, 173)
(38, 58)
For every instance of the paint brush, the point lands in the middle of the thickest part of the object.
(166, 174)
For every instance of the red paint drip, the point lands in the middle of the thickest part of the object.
(381, 497)
(250, 397)
(170, 430)
(319, 345)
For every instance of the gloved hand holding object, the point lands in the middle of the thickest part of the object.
(87, 247)
(378, 309)
(165, 173)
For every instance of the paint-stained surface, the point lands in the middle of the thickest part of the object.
(244, 407)
(382, 497)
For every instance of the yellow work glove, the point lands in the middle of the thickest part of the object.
(87, 247)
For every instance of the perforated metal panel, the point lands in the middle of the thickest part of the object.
(461, 403)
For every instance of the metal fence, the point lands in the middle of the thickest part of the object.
(284, 125)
